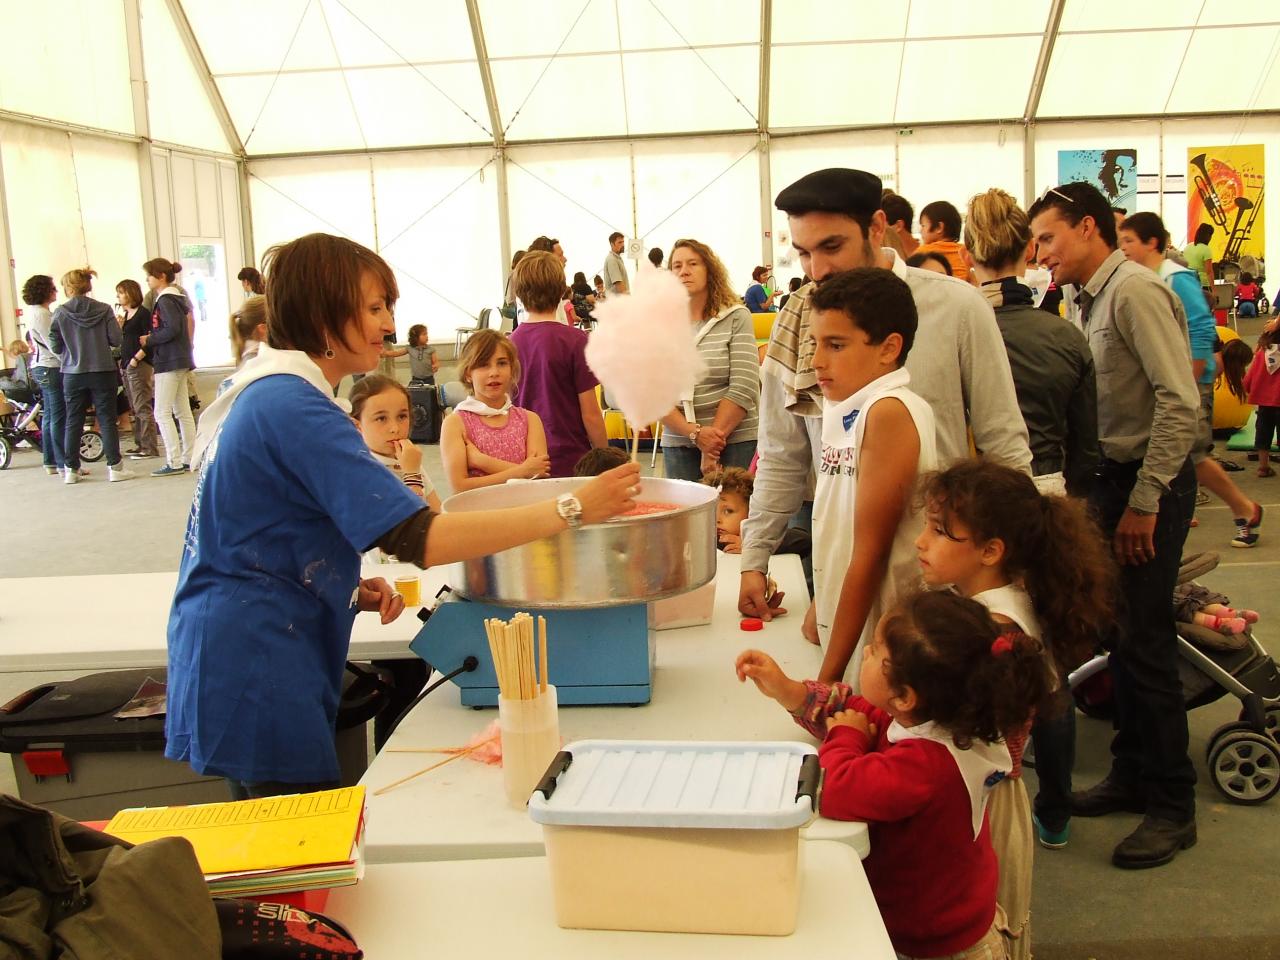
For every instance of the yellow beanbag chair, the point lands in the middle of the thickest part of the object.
(1228, 412)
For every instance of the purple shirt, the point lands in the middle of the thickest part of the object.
(553, 371)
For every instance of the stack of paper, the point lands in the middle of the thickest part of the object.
(257, 847)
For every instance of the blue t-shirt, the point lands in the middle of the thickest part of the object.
(1202, 329)
(288, 497)
(755, 298)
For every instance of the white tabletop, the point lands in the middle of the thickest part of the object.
(53, 623)
(503, 908)
(460, 812)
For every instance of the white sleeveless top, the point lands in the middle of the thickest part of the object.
(843, 426)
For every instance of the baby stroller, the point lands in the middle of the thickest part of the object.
(21, 420)
(1243, 755)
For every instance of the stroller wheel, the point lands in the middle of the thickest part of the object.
(6, 453)
(1245, 766)
(91, 449)
(1272, 721)
(1235, 726)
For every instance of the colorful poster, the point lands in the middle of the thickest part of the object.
(1114, 172)
(1224, 190)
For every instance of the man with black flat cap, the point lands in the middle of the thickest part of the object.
(958, 364)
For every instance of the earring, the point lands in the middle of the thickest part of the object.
(328, 350)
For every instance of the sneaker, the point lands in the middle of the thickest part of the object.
(1051, 839)
(1202, 498)
(140, 455)
(116, 474)
(186, 468)
(1154, 843)
(70, 476)
(132, 450)
(52, 471)
(1246, 530)
(168, 471)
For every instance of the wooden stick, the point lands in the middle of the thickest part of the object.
(635, 444)
(440, 763)
(542, 650)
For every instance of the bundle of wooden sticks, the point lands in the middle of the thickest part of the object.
(511, 644)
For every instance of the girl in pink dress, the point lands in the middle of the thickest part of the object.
(487, 440)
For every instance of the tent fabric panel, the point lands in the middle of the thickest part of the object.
(177, 103)
(1072, 89)
(577, 96)
(984, 79)
(800, 84)
(707, 190)
(681, 91)
(67, 60)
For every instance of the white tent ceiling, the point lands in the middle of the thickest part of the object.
(322, 76)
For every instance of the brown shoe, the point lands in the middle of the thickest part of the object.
(1107, 796)
(1154, 843)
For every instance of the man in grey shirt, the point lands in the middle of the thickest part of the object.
(1143, 498)
(615, 271)
(958, 364)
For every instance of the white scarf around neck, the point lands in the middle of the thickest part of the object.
(981, 767)
(267, 362)
(477, 406)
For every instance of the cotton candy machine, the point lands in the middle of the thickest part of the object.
(593, 584)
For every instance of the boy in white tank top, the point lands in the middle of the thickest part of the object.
(877, 439)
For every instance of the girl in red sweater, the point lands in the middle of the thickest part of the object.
(916, 756)
(1262, 383)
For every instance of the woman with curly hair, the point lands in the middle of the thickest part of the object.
(717, 424)
(38, 293)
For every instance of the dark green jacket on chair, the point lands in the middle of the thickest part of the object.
(73, 893)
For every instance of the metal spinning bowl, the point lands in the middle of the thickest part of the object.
(629, 560)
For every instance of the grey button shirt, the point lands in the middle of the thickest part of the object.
(1148, 404)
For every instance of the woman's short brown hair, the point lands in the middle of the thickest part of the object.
(131, 292)
(538, 280)
(78, 282)
(314, 290)
(38, 289)
(480, 346)
(162, 269)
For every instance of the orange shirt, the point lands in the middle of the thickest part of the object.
(951, 249)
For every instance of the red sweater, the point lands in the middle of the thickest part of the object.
(1263, 388)
(934, 883)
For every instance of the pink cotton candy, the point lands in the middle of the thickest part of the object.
(486, 746)
(642, 349)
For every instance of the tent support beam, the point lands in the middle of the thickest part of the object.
(142, 126)
(9, 299)
(206, 77)
(762, 149)
(499, 138)
(1033, 99)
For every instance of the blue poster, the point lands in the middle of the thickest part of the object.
(1114, 172)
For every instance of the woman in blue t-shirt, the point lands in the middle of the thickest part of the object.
(287, 499)
(757, 298)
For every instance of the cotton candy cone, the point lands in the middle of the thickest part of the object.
(642, 349)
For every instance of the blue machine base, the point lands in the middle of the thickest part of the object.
(597, 657)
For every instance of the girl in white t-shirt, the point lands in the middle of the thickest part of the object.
(1041, 566)
(380, 409)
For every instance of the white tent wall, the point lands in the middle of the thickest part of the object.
(178, 106)
(954, 163)
(72, 201)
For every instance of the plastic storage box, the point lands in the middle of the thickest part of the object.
(682, 837)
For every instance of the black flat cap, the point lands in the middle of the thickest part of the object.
(834, 190)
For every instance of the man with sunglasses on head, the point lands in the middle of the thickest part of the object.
(958, 364)
(1143, 498)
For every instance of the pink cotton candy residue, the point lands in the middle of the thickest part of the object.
(486, 746)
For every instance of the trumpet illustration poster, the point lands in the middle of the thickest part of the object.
(1225, 190)
(1114, 172)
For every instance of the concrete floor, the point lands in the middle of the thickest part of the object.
(1215, 900)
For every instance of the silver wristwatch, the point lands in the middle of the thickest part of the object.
(570, 509)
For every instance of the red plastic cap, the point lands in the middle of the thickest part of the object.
(751, 624)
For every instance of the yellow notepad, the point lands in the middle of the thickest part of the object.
(272, 833)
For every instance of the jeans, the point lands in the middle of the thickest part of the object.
(77, 388)
(246, 790)
(1149, 750)
(685, 463)
(1247, 308)
(140, 381)
(172, 401)
(53, 426)
(1054, 736)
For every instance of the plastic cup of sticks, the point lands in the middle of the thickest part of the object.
(527, 714)
(530, 741)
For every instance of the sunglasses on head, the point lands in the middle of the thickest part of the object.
(1055, 192)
